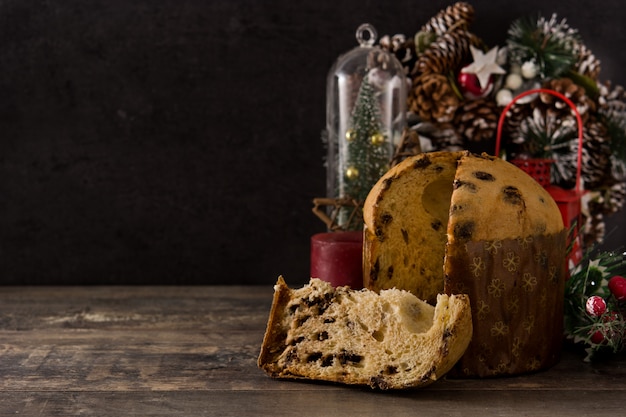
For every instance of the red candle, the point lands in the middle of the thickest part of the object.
(336, 257)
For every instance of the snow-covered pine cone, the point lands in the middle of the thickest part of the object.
(596, 166)
(402, 48)
(612, 100)
(457, 15)
(612, 109)
(594, 227)
(588, 64)
(572, 91)
(616, 197)
(602, 203)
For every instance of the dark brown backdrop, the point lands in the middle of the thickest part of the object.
(177, 141)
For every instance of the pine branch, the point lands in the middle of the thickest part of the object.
(550, 44)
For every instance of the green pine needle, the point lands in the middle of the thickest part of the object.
(551, 45)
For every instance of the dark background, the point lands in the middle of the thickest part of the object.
(177, 141)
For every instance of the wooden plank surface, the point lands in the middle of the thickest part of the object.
(113, 351)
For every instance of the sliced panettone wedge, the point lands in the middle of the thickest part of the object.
(387, 340)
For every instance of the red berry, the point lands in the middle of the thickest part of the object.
(596, 306)
(597, 337)
(610, 317)
(617, 285)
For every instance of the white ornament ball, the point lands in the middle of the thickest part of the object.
(529, 70)
(504, 97)
(513, 81)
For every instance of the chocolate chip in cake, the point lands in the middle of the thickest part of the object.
(512, 195)
(346, 357)
(296, 340)
(428, 374)
(318, 304)
(292, 355)
(443, 349)
(327, 361)
(379, 382)
(470, 186)
(386, 218)
(314, 357)
(387, 182)
(380, 233)
(483, 176)
(302, 320)
(323, 335)
(374, 270)
(464, 231)
(390, 370)
(436, 225)
(405, 235)
(423, 162)
(390, 272)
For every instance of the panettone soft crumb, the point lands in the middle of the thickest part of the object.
(387, 340)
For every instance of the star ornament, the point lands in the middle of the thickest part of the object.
(484, 65)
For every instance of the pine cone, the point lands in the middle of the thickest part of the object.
(409, 145)
(433, 98)
(572, 91)
(447, 53)
(587, 64)
(511, 128)
(442, 137)
(596, 166)
(458, 15)
(476, 120)
(594, 227)
(403, 49)
(601, 203)
(616, 196)
(612, 101)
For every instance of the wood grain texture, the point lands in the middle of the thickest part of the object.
(152, 351)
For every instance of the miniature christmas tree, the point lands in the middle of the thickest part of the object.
(368, 153)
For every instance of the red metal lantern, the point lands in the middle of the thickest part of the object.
(569, 201)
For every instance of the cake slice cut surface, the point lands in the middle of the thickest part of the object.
(387, 340)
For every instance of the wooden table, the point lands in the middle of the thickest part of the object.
(165, 351)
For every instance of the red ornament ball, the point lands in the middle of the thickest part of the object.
(470, 86)
(596, 306)
(617, 285)
(597, 337)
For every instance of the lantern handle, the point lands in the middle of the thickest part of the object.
(579, 121)
(366, 35)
